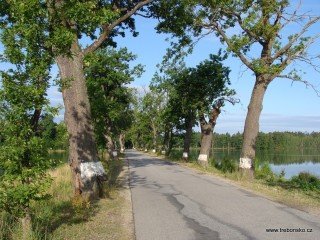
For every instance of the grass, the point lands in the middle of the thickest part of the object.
(66, 217)
(301, 192)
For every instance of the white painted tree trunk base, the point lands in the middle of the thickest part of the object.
(90, 170)
(245, 163)
(203, 157)
(184, 155)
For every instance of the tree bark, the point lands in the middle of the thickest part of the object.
(122, 137)
(87, 170)
(206, 140)
(187, 139)
(206, 133)
(107, 135)
(165, 144)
(26, 224)
(251, 128)
(155, 136)
(110, 146)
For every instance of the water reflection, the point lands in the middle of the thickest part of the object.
(295, 168)
(59, 156)
(292, 161)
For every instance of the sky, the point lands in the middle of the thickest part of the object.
(287, 106)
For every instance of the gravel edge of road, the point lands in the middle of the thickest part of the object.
(126, 193)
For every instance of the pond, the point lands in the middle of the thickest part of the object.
(59, 156)
(292, 161)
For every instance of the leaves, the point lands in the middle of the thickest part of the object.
(108, 72)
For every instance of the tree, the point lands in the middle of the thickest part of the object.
(213, 78)
(153, 104)
(23, 105)
(194, 94)
(64, 24)
(107, 74)
(47, 130)
(173, 112)
(259, 46)
(61, 138)
(140, 133)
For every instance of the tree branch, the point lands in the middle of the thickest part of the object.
(280, 13)
(306, 82)
(290, 59)
(290, 44)
(238, 53)
(106, 29)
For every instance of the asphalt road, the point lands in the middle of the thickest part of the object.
(171, 202)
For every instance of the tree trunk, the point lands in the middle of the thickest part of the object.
(110, 146)
(206, 140)
(155, 137)
(87, 170)
(26, 224)
(251, 128)
(165, 144)
(187, 139)
(122, 138)
(207, 131)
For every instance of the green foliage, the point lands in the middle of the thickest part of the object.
(188, 92)
(226, 165)
(260, 23)
(61, 138)
(306, 181)
(263, 171)
(23, 150)
(107, 74)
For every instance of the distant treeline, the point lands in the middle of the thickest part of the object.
(270, 141)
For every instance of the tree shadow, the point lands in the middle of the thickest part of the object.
(50, 215)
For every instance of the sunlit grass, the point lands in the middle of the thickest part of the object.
(64, 216)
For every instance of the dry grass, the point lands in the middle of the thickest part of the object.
(108, 218)
(66, 217)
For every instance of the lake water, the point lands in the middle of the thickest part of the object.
(60, 156)
(292, 162)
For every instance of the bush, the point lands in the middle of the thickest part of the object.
(226, 165)
(264, 172)
(306, 181)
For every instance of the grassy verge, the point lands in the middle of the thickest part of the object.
(66, 217)
(301, 192)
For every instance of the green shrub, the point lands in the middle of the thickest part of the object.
(264, 172)
(226, 165)
(306, 181)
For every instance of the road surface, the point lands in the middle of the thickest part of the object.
(171, 202)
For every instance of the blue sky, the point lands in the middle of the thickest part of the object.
(287, 106)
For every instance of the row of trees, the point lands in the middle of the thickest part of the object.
(56, 28)
(180, 98)
(37, 34)
(253, 31)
